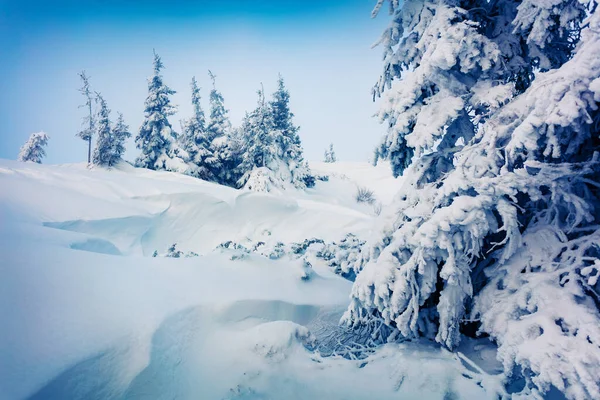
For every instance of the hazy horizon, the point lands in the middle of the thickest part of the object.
(322, 49)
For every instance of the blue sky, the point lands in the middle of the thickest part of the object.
(322, 48)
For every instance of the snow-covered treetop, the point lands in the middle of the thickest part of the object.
(219, 124)
(198, 112)
(33, 150)
(88, 121)
(158, 99)
(104, 140)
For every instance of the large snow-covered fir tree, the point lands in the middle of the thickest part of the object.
(104, 141)
(88, 121)
(156, 137)
(492, 109)
(34, 149)
(195, 141)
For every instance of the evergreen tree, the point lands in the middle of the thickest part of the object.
(120, 134)
(329, 156)
(194, 140)
(219, 124)
(103, 153)
(287, 138)
(88, 122)
(156, 136)
(33, 150)
(261, 148)
(495, 228)
(272, 154)
(225, 143)
(229, 154)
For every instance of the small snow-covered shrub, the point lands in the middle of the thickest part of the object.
(345, 257)
(364, 195)
(301, 247)
(275, 252)
(236, 250)
(172, 252)
(322, 177)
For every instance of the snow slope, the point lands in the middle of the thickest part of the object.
(86, 313)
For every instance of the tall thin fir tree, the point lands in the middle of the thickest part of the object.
(219, 124)
(225, 143)
(104, 141)
(289, 141)
(120, 133)
(88, 121)
(34, 149)
(156, 136)
(261, 149)
(194, 140)
(329, 156)
(287, 138)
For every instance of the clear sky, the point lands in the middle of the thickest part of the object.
(321, 47)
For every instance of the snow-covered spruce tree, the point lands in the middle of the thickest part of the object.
(103, 153)
(225, 144)
(288, 141)
(229, 154)
(496, 224)
(33, 150)
(219, 124)
(194, 140)
(120, 133)
(88, 122)
(260, 155)
(156, 136)
(329, 156)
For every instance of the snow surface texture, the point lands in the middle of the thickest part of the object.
(87, 313)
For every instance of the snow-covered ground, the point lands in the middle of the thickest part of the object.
(86, 312)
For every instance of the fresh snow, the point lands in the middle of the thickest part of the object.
(87, 313)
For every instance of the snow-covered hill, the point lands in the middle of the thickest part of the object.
(86, 312)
